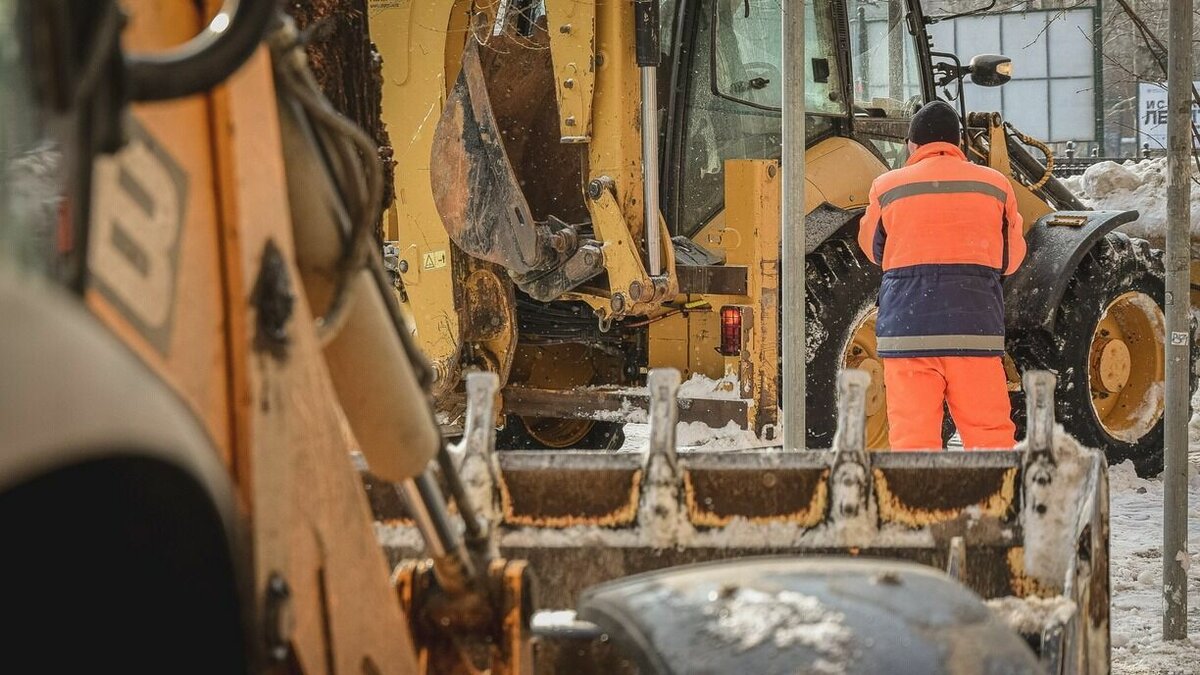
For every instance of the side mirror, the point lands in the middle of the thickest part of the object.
(990, 70)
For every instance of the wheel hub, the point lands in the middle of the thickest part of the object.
(861, 354)
(1111, 365)
(875, 397)
(1126, 366)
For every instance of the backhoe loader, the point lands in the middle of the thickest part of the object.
(201, 343)
(593, 191)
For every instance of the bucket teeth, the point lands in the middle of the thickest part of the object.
(660, 511)
(663, 384)
(851, 509)
(852, 411)
(581, 517)
(1039, 407)
(477, 464)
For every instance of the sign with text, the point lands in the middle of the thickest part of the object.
(1152, 114)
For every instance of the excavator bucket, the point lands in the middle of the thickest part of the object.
(1026, 530)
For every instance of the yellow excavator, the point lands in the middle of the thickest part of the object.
(592, 190)
(208, 385)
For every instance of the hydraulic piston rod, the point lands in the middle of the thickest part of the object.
(452, 564)
(647, 27)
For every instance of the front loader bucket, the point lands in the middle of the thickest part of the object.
(1014, 526)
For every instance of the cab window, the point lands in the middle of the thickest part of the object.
(886, 74)
(734, 93)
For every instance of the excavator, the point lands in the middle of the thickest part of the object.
(211, 401)
(593, 191)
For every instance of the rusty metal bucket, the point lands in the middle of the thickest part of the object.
(1027, 529)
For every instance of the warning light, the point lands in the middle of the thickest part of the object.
(731, 331)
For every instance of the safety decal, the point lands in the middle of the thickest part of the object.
(433, 260)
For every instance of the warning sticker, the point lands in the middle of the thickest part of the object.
(433, 260)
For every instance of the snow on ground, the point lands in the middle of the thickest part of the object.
(1136, 556)
(695, 435)
(1140, 186)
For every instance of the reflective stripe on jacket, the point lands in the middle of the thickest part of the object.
(945, 231)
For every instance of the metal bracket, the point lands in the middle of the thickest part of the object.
(480, 469)
(852, 411)
(663, 384)
(633, 291)
(659, 506)
(1039, 464)
(572, 28)
(850, 470)
(956, 562)
(1039, 414)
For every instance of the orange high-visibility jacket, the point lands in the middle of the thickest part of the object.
(945, 231)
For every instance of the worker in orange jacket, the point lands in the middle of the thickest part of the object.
(945, 231)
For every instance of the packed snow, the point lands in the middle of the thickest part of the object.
(1032, 614)
(696, 435)
(748, 617)
(1136, 518)
(1050, 526)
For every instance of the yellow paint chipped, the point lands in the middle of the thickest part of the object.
(892, 510)
(624, 515)
(808, 516)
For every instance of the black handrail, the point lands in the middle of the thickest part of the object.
(205, 60)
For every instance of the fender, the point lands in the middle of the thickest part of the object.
(707, 617)
(1057, 243)
(827, 221)
(88, 431)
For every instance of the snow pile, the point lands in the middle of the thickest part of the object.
(1136, 572)
(701, 386)
(548, 623)
(553, 619)
(628, 413)
(748, 617)
(1140, 186)
(695, 435)
(729, 437)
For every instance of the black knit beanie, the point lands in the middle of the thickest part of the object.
(935, 121)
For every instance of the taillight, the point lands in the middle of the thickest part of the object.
(731, 331)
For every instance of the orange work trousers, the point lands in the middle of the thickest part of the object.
(974, 387)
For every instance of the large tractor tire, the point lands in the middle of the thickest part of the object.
(841, 289)
(1107, 351)
(544, 433)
